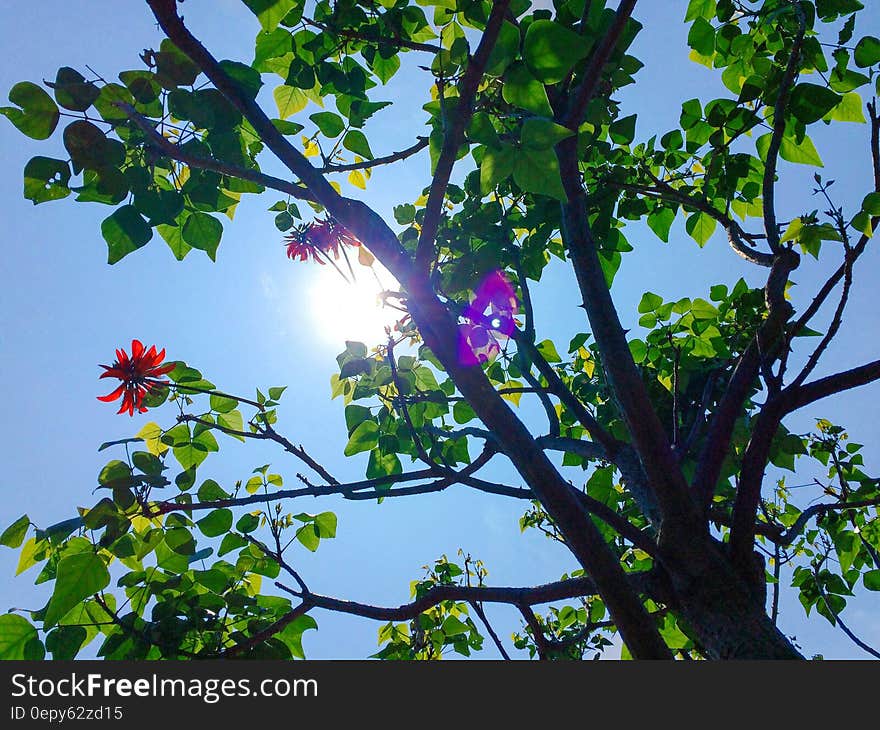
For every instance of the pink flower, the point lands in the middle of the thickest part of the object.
(311, 240)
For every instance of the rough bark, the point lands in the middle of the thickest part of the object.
(727, 618)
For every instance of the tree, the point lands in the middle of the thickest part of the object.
(670, 434)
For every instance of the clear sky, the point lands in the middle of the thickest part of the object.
(255, 319)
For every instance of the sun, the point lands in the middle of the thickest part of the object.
(352, 310)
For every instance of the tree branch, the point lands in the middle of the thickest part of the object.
(454, 135)
(735, 233)
(352, 214)
(481, 614)
(268, 433)
(751, 479)
(565, 395)
(541, 643)
(374, 38)
(836, 320)
(589, 84)
(787, 537)
(634, 479)
(649, 439)
(358, 490)
(843, 627)
(387, 160)
(788, 78)
(516, 596)
(743, 380)
(811, 392)
(169, 149)
(268, 632)
(440, 332)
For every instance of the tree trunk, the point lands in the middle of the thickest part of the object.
(725, 615)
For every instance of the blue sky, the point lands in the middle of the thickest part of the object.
(249, 321)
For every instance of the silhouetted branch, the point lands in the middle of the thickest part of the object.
(454, 134)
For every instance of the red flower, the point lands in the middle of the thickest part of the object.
(310, 240)
(139, 375)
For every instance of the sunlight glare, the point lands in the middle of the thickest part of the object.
(344, 311)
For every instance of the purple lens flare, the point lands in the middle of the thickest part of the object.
(489, 316)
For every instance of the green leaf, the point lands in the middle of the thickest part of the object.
(203, 231)
(271, 45)
(404, 214)
(254, 484)
(115, 474)
(804, 153)
(246, 78)
(381, 464)
(210, 490)
(700, 227)
(811, 102)
(385, 68)
(700, 9)
(504, 51)
(871, 579)
(850, 109)
(174, 67)
(65, 642)
(308, 536)
(232, 420)
(89, 147)
(537, 171)
(216, 522)
(79, 576)
(291, 635)
(496, 166)
(180, 540)
(871, 204)
(247, 523)
(660, 221)
(623, 131)
(289, 100)
(326, 524)
(45, 179)
(173, 236)
(231, 542)
(540, 133)
(357, 143)
(13, 536)
(223, 404)
(867, 51)
(691, 114)
(453, 626)
(650, 302)
(190, 455)
(525, 91)
(72, 91)
(38, 115)
(18, 637)
(548, 351)
(364, 438)
(701, 37)
(355, 415)
(32, 552)
(550, 50)
(672, 140)
(270, 12)
(125, 230)
(330, 123)
(159, 206)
